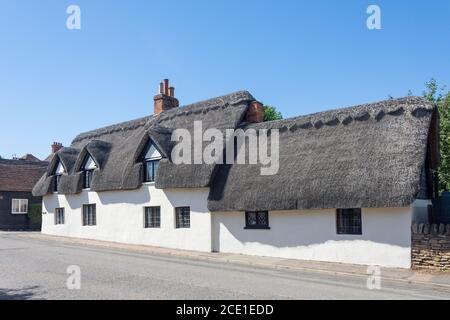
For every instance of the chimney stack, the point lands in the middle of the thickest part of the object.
(255, 112)
(165, 99)
(56, 146)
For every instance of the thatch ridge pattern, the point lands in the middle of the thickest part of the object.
(371, 155)
(117, 149)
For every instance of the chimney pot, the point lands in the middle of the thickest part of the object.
(56, 146)
(165, 100)
(166, 87)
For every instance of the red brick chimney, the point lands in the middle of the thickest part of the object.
(165, 100)
(255, 112)
(56, 146)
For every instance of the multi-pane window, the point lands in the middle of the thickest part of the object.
(257, 220)
(19, 206)
(88, 170)
(152, 217)
(88, 178)
(151, 162)
(59, 216)
(151, 166)
(348, 221)
(183, 217)
(89, 215)
(59, 170)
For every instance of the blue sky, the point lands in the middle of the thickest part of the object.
(300, 56)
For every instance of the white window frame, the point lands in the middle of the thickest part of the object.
(20, 206)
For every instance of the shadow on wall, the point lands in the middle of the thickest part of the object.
(180, 198)
(139, 196)
(109, 197)
(52, 204)
(196, 198)
(18, 294)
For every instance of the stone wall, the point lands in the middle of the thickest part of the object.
(431, 247)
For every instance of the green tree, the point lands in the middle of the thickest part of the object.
(35, 213)
(271, 113)
(441, 98)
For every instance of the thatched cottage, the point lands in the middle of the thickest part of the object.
(349, 184)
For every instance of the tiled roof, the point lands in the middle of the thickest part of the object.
(20, 175)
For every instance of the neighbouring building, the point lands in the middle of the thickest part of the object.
(17, 178)
(350, 183)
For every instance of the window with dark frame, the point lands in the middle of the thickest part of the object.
(257, 220)
(152, 217)
(89, 215)
(88, 168)
(348, 221)
(151, 158)
(56, 184)
(183, 217)
(88, 178)
(59, 216)
(57, 172)
(150, 168)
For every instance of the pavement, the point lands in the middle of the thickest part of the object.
(34, 266)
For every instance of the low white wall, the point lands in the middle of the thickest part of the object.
(120, 217)
(311, 235)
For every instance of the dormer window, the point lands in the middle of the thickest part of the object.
(88, 169)
(59, 171)
(151, 162)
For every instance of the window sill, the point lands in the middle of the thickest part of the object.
(256, 228)
(150, 183)
(19, 213)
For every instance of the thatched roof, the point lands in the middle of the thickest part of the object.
(365, 156)
(116, 149)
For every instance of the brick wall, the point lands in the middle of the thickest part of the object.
(431, 247)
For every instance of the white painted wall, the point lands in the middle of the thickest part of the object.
(307, 235)
(120, 217)
(311, 235)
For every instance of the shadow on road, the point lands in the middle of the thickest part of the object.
(18, 294)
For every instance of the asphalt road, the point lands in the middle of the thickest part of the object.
(37, 269)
